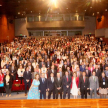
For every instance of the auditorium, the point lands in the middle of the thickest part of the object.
(54, 53)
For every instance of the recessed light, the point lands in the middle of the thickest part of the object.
(97, 12)
(66, 8)
(85, 10)
(91, 7)
(18, 12)
(105, 9)
(0, 4)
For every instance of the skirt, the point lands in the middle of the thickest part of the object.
(103, 91)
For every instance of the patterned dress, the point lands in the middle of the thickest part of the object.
(34, 91)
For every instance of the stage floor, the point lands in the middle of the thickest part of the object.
(59, 103)
(21, 95)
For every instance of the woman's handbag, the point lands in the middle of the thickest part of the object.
(2, 85)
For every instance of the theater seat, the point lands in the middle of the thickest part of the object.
(16, 86)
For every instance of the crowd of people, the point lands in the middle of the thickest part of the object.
(57, 65)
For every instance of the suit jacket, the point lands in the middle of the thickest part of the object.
(40, 65)
(101, 83)
(48, 65)
(50, 84)
(83, 84)
(88, 73)
(77, 81)
(27, 76)
(14, 71)
(50, 71)
(43, 86)
(98, 73)
(58, 83)
(10, 81)
(64, 69)
(65, 82)
(94, 84)
(82, 68)
(32, 68)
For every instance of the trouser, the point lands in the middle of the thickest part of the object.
(84, 93)
(29, 83)
(8, 90)
(95, 93)
(50, 92)
(58, 91)
(20, 78)
(1, 89)
(64, 93)
(43, 93)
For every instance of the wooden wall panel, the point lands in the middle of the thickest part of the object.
(6, 29)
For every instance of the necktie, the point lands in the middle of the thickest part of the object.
(84, 79)
(67, 79)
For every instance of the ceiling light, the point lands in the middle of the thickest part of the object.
(85, 10)
(97, 12)
(0, 4)
(105, 9)
(18, 12)
(31, 11)
(66, 8)
(93, 14)
(91, 7)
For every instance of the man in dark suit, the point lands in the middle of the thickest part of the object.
(52, 71)
(13, 71)
(27, 79)
(84, 85)
(97, 71)
(70, 72)
(41, 64)
(58, 86)
(88, 72)
(48, 64)
(64, 68)
(31, 68)
(43, 86)
(66, 84)
(51, 86)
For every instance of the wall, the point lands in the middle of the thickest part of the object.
(6, 29)
(20, 27)
(89, 26)
(104, 21)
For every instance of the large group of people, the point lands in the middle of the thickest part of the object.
(57, 65)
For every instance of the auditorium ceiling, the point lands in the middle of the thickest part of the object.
(19, 8)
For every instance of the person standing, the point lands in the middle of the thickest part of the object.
(58, 86)
(66, 84)
(34, 92)
(43, 86)
(74, 85)
(51, 86)
(27, 79)
(84, 85)
(94, 85)
(1, 82)
(103, 85)
(8, 83)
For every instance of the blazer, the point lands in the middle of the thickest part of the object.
(10, 81)
(88, 73)
(101, 82)
(50, 71)
(58, 83)
(43, 86)
(83, 84)
(93, 83)
(77, 81)
(50, 85)
(98, 73)
(14, 71)
(65, 82)
(27, 76)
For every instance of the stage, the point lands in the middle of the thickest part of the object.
(59, 103)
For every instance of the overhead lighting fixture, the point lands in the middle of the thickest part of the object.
(31, 11)
(97, 12)
(85, 10)
(93, 14)
(106, 10)
(0, 4)
(66, 8)
(18, 13)
(91, 7)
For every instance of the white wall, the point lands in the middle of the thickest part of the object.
(20, 27)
